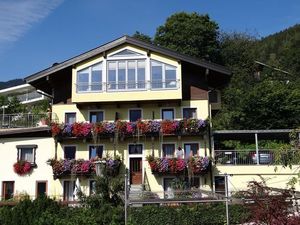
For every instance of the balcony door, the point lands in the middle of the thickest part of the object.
(136, 163)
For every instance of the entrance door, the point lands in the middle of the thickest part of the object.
(136, 171)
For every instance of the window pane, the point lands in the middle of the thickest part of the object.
(70, 152)
(95, 151)
(136, 149)
(168, 114)
(96, 78)
(156, 74)
(70, 118)
(8, 189)
(112, 79)
(141, 74)
(69, 187)
(135, 114)
(167, 183)
(131, 74)
(168, 150)
(92, 187)
(27, 154)
(41, 189)
(121, 75)
(190, 150)
(83, 80)
(96, 117)
(189, 113)
(170, 76)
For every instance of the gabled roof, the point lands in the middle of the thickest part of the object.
(126, 40)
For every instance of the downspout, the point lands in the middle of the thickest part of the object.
(210, 139)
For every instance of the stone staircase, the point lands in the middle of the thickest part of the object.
(135, 193)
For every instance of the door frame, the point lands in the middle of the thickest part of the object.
(136, 156)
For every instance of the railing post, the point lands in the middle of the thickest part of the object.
(256, 146)
(226, 196)
(126, 196)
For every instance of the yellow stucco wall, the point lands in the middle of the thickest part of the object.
(123, 110)
(241, 175)
(43, 172)
(156, 182)
(138, 95)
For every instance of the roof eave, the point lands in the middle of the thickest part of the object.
(120, 41)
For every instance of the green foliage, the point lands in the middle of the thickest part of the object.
(188, 215)
(189, 33)
(107, 191)
(14, 106)
(44, 211)
(142, 37)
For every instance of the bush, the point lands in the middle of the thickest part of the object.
(213, 214)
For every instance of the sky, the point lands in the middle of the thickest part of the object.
(34, 34)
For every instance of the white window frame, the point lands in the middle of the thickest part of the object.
(33, 147)
(187, 107)
(125, 60)
(162, 150)
(89, 83)
(89, 114)
(142, 113)
(164, 108)
(63, 147)
(190, 142)
(164, 75)
(63, 191)
(65, 112)
(89, 183)
(137, 156)
(90, 145)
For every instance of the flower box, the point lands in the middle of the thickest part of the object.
(126, 129)
(23, 167)
(64, 167)
(177, 166)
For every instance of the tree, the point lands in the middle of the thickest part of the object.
(267, 207)
(15, 106)
(191, 34)
(142, 37)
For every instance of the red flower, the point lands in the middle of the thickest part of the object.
(22, 167)
(142, 126)
(55, 129)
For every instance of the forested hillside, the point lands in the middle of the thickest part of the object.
(11, 83)
(264, 90)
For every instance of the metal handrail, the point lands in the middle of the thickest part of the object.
(244, 157)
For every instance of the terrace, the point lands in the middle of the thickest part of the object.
(26, 120)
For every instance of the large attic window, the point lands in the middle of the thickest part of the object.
(125, 54)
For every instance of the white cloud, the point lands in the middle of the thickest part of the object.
(18, 16)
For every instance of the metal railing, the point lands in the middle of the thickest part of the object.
(244, 157)
(86, 87)
(26, 120)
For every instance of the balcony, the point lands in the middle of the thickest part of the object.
(30, 97)
(85, 168)
(26, 120)
(106, 91)
(122, 129)
(244, 157)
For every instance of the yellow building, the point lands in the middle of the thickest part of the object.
(34, 178)
(130, 99)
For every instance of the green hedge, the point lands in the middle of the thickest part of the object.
(44, 211)
(207, 214)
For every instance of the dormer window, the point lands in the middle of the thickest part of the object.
(90, 79)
